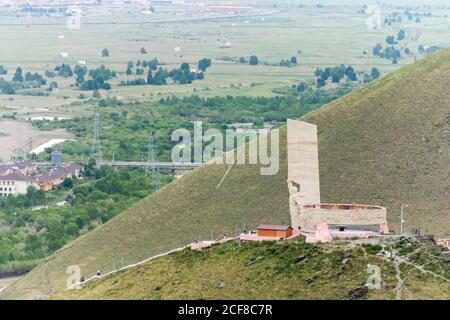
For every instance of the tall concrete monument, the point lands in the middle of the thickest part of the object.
(321, 222)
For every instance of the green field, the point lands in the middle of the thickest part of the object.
(318, 37)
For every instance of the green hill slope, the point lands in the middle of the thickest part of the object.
(275, 271)
(385, 144)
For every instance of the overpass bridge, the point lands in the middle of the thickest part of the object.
(184, 166)
(158, 165)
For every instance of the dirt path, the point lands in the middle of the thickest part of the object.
(5, 282)
(20, 135)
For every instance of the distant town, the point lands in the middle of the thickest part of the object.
(17, 177)
(56, 7)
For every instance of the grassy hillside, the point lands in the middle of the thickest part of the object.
(272, 271)
(384, 144)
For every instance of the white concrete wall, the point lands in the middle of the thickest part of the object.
(303, 159)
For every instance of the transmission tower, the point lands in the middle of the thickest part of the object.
(151, 158)
(96, 150)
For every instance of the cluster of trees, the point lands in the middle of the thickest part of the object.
(392, 40)
(204, 64)
(396, 17)
(288, 62)
(33, 197)
(141, 66)
(392, 19)
(64, 70)
(19, 81)
(336, 74)
(159, 76)
(184, 74)
(390, 53)
(253, 60)
(35, 77)
(99, 78)
(33, 235)
(429, 50)
(416, 16)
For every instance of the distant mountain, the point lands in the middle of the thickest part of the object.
(385, 144)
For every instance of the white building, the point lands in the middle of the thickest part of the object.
(15, 184)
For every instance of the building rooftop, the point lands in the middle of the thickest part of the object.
(16, 177)
(59, 172)
(273, 227)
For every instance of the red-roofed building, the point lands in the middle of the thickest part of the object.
(275, 231)
(52, 179)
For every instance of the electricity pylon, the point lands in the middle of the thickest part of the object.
(151, 158)
(96, 149)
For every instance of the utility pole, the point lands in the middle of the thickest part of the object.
(96, 149)
(401, 217)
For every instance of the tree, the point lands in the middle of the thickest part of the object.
(18, 77)
(80, 71)
(160, 77)
(185, 67)
(72, 229)
(318, 72)
(302, 86)
(3, 70)
(67, 183)
(293, 61)
(335, 78)
(320, 82)
(149, 77)
(390, 40)
(204, 64)
(351, 74)
(375, 73)
(7, 88)
(401, 35)
(421, 49)
(377, 50)
(53, 85)
(105, 53)
(143, 50)
(253, 60)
